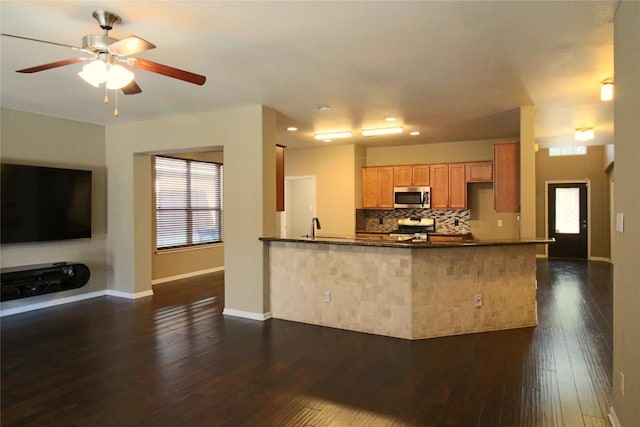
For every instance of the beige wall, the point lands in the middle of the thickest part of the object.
(171, 264)
(578, 168)
(443, 152)
(46, 141)
(334, 169)
(247, 136)
(626, 270)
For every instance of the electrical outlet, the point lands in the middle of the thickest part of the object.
(499, 223)
(477, 300)
(326, 295)
(622, 383)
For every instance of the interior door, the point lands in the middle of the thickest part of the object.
(568, 222)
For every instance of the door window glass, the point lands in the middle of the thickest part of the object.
(568, 210)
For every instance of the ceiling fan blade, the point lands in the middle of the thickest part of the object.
(41, 41)
(130, 45)
(176, 73)
(132, 88)
(52, 65)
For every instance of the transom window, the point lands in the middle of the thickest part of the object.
(188, 202)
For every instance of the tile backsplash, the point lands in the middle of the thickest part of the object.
(385, 221)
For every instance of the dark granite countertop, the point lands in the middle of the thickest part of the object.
(386, 241)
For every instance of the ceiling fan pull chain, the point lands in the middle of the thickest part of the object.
(116, 113)
(106, 94)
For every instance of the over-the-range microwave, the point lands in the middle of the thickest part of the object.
(412, 197)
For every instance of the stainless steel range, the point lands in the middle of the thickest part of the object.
(414, 227)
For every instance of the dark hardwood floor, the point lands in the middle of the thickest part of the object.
(174, 360)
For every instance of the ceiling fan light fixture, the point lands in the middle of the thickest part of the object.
(382, 131)
(94, 73)
(118, 77)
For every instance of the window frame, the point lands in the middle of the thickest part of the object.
(189, 210)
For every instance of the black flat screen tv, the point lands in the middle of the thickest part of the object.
(44, 203)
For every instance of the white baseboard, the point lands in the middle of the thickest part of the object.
(613, 418)
(52, 303)
(187, 275)
(247, 314)
(599, 258)
(128, 295)
(541, 256)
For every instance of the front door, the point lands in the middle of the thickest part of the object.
(568, 222)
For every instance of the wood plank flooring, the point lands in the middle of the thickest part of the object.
(174, 360)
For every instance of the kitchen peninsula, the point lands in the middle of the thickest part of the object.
(406, 289)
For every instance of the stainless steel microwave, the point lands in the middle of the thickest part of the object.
(412, 197)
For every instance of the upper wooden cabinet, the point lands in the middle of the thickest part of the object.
(377, 187)
(405, 176)
(479, 172)
(506, 180)
(457, 186)
(448, 186)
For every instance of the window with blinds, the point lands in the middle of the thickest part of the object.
(188, 202)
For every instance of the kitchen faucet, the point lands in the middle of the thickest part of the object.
(315, 222)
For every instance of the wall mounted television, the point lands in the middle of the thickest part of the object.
(44, 203)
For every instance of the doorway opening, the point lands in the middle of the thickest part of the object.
(568, 218)
(300, 205)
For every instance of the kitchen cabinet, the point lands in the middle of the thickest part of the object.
(457, 186)
(404, 176)
(448, 186)
(479, 172)
(377, 187)
(506, 180)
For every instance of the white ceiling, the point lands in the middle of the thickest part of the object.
(455, 71)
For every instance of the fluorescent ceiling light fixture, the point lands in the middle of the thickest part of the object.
(585, 134)
(333, 135)
(414, 133)
(390, 119)
(606, 90)
(292, 128)
(382, 131)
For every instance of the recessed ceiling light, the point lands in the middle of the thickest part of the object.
(414, 133)
(327, 140)
(323, 107)
(292, 128)
(390, 119)
(381, 131)
(333, 135)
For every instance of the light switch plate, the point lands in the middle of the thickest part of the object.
(620, 222)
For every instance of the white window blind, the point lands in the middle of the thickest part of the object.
(188, 202)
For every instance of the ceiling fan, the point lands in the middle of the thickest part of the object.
(107, 53)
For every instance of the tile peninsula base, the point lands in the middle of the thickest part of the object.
(404, 292)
